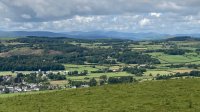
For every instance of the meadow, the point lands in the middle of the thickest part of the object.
(176, 59)
(180, 95)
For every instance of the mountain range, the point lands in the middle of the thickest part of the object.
(93, 34)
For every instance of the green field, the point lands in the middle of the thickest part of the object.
(91, 45)
(175, 59)
(3, 73)
(81, 68)
(7, 73)
(181, 95)
(97, 75)
(155, 72)
(89, 68)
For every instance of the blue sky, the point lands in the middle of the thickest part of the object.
(161, 16)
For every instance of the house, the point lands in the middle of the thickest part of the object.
(36, 89)
(116, 70)
(144, 65)
(11, 89)
(33, 85)
(7, 77)
(85, 86)
(17, 89)
(73, 87)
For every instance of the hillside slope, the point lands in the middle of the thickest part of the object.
(153, 96)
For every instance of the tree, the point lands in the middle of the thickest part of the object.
(104, 78)
(124, 79)
(113, 80)
(101, 82)
(93, 82)
(6, 90)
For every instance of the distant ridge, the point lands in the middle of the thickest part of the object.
(93, 35)
(183, 38)
(29, 33)
(121, 35)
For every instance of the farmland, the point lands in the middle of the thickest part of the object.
(24, 47)
(41, 74)
(82, 60)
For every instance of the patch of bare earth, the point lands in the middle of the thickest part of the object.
(183, 71)
(22, 51)
(53, 52)
(62, 82)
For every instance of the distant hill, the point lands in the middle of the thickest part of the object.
(29, 33)
(183, 38)
(195, 35)
(180, 95)
(121, 35)
(94, 35)
(86, 35)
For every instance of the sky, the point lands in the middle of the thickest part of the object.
(160, 16)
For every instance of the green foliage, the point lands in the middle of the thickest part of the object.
(77, 83)
(194, 66)
(136, 58)
(76, 73)
(175, 51)
(138, 71)
(93, 82)
(103, 77)
(186, 74)
(156, 96)
(6, 91)
(124, 79)
(28, 63)
(56, 76)
(56, 51)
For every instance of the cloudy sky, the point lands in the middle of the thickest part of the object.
(162, 16)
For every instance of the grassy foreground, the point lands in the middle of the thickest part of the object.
(153, 96)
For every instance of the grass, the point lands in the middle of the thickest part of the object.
(97, 75)
(62, 82)
(80, 68)
(175, 59)
(3, 73)
(167, 71)
(91, 45)
(181, 95)
(155, 72)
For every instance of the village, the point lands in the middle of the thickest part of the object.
(44, 80)
(34, 81)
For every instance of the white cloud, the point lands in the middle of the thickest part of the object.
(26, 16)
(7, 20)
(189, 18)
(123, 15)
(155, 14)
(144, 22)
(87, 19)
(168, 5)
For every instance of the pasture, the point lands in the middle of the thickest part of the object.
(181, 95)
(175, 59)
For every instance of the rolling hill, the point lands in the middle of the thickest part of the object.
(30, 33)
(87, 35)
(95, 35)
(182, 95)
